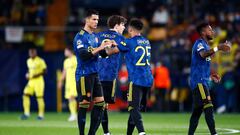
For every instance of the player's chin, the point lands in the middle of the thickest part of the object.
(95, 26)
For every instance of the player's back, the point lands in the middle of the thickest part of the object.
(35, 66)
(138, 61)
(108, 67)
(200, 67)
(85, 40)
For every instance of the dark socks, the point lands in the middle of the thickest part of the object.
(137, 118)
(210, 120)
(130, 126)
(81, 120)
(105, 121)
(194, 120)
(96, 116)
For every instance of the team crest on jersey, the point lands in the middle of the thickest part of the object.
(200, 46)
(79, 44)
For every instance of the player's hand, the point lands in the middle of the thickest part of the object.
(27, 76)
(106, 43)
(59, 85)
(226, 47)
(114, 43)
(216, 78)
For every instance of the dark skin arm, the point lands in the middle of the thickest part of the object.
(39, 74)
(223, 47)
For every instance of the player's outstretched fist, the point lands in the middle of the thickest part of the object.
(226, 47)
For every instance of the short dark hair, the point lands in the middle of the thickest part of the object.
(70, 48)
(201, 26)
(115, 19)
(136, 24)
(91, 12)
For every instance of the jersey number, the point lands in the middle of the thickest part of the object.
(145, 52)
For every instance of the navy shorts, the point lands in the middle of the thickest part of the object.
(137, 97)
(201, 97)
(109, 88)
(89, 87)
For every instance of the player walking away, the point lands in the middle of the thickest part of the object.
(68, 74)
(36, 70)
(137, 54)
(108, 67)
(88, 84)
(200, 77)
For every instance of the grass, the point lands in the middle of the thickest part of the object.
(155, 124)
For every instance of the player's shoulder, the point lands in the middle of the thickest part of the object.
(66, 60)
(29, 60)
(81, 34)
(40, 59)
(199, 43)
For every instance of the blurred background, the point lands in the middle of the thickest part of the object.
(51, 25)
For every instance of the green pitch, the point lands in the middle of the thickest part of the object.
(155, 124)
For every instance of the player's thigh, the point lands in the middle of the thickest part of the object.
(143, 105)
(134, 95)
(201, 96)
(29, 88)
(109, 91)
(84, 88)
(97, 92)
(39, 86)
(70, 91)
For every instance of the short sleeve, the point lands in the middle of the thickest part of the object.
(43, 64)
(65, 64)
(123, 45)
(200, 47)
(80, 42)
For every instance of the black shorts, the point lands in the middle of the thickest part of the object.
(89, 87)
(201, 97)
(137, 97)
(109, 88)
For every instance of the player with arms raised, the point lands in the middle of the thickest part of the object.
(200, 77)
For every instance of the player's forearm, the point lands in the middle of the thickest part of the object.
(205, 54)
(111, 51)
(97, 50)
(39, 74)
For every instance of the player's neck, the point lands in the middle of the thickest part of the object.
(135, 34)
(114, 30)
(88, 29)
(33, 57)
(70, 56)
(205, 39)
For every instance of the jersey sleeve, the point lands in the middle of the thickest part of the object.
(65, 64)
(81, 44)
(200, 47)
(123, 45)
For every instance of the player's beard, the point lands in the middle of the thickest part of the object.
(209, 38)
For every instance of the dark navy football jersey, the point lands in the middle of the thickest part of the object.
(137, 55)
(108, 67)
(200, 67)
(85, 41)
